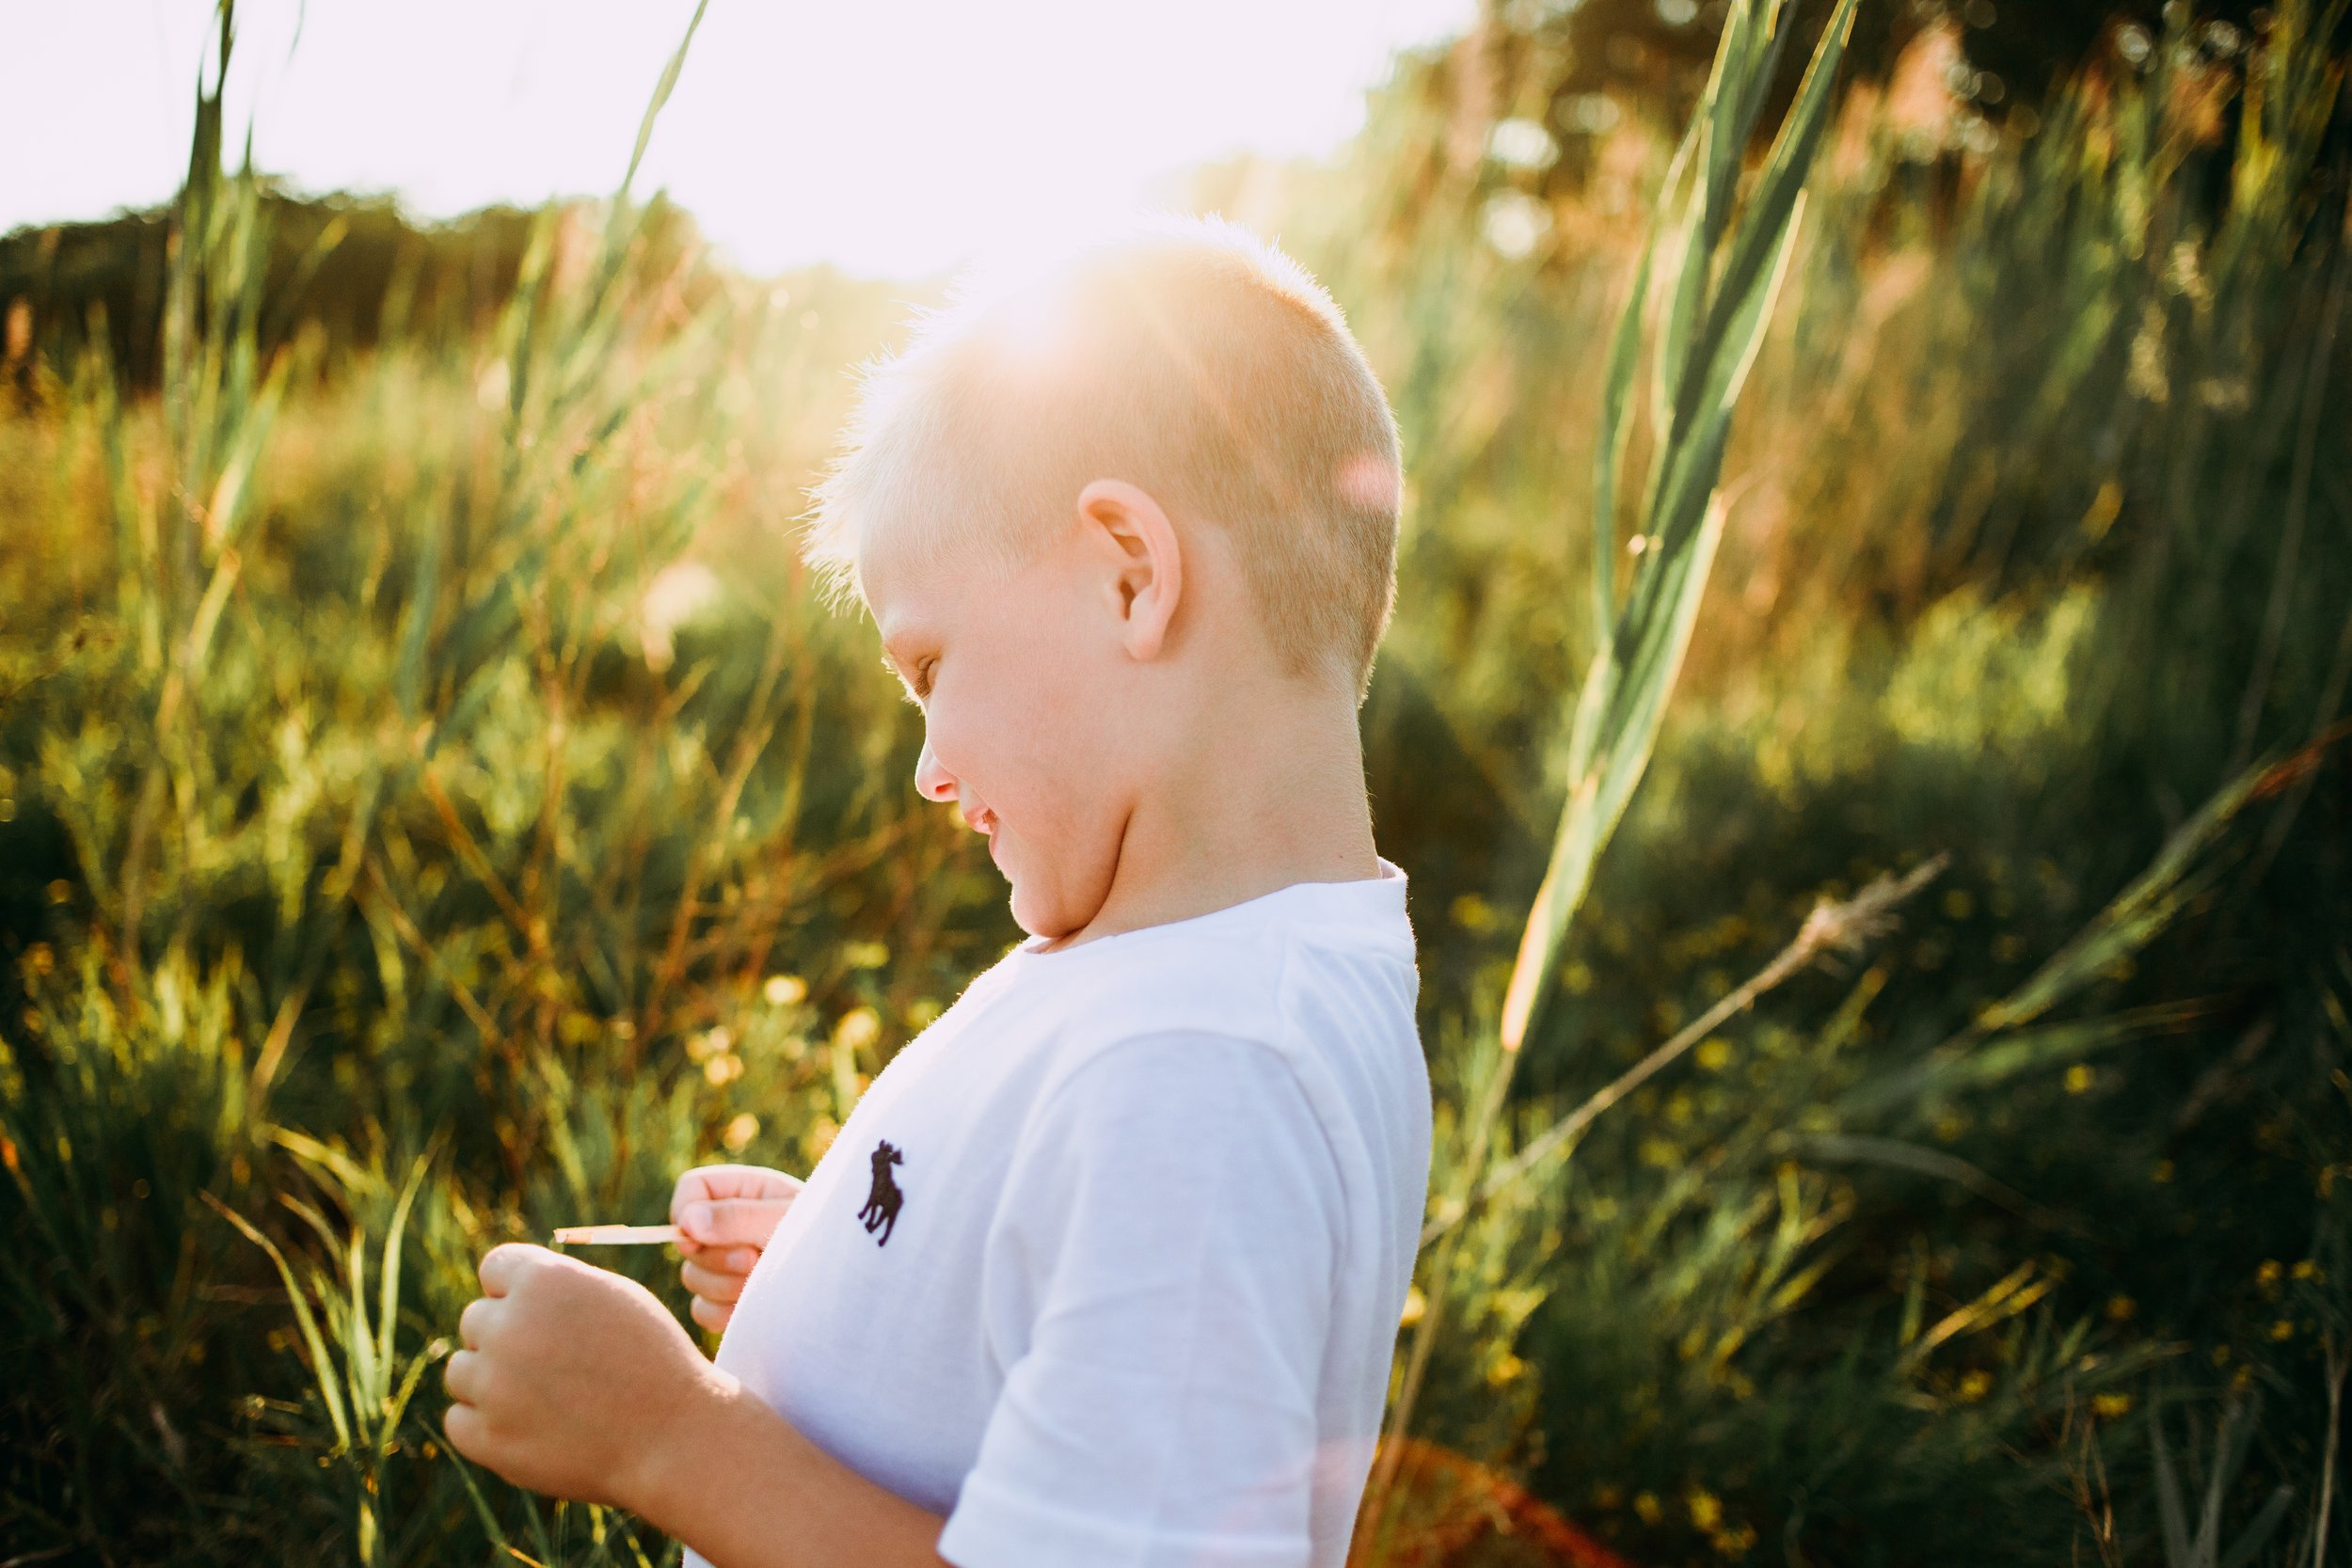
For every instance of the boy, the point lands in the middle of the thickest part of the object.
(1106, 1265)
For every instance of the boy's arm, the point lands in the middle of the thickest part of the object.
(744, 1487)
(578, 1383)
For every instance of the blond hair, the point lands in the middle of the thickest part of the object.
(1185, 356)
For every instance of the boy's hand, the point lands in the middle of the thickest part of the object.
(724, 1215)
(571, 1378)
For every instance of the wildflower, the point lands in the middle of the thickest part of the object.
(2268, 1276)
(2122, 1309)
(2078, 1078)
(782, 991)
(2109, 1407)
(1714, 1054)
(859, 1028)
(1974, 1385)
(2282, 1329)
(1474, 914)
(1707, 1510)
(1648, 1507)
(2309, 1271)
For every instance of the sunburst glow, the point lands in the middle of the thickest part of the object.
(893, 139)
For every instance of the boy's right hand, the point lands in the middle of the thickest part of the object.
(724, 1215)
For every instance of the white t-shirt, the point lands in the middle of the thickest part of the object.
(1106, 1265)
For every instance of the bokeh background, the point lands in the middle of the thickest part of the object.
(435, 806)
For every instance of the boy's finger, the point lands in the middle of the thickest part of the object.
(711, 1284)
(710, 1181)
(731, 1221)
(710, 1314)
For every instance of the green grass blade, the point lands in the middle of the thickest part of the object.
(2134, 916)
(387, 1312)
(2260, 1528)
(1778, 189)
(367, 1384)
(2171, 1511)
(1625, 349)
(321, 1368)
(660, 96)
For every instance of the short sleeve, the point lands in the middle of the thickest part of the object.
(1168, 1236)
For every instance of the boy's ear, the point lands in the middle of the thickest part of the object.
(1144, 569)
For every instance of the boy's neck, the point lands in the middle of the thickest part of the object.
(1272, 793)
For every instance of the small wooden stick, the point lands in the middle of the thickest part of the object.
(615, 1235)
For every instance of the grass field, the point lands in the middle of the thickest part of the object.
(434, 807)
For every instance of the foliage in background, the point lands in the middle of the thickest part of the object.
(425, 757)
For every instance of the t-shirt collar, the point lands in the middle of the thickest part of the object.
(1366, 908)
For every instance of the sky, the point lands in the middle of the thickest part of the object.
(893, 137)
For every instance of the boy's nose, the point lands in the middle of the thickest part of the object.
(933, 782)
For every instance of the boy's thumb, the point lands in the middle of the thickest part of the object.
(732, 1221)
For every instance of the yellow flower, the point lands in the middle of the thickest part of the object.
(1974, 1385)
(859, 1028)
(2282, 1329)
(1714, 1053)
(2268, 1276)
(1474, 914)
(1707, 1510)
(1648, 1507)
(2122, 1309)
(782, 991)
(1735, 1542)
(2078, 1078)
(2307, 1270)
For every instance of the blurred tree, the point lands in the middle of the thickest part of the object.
(357, 267)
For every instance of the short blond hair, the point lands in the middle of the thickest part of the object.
(1185, 356)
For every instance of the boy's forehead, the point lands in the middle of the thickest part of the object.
(896, 574)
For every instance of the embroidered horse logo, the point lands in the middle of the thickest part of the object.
(881, 1204)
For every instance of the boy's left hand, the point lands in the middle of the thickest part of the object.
(570, 1376)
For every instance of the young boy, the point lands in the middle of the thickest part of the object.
(1107, 1264)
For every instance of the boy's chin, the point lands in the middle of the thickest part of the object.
(1043, 916)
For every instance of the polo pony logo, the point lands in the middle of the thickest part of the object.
(881, 1204)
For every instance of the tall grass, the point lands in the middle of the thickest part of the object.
(433, 808)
